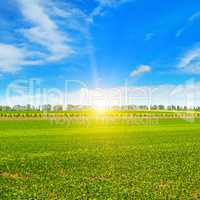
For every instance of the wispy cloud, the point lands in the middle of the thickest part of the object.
(47, 27)
(180, 31)
(190, 61)
(149, 36)
(102, 4)
(140, 70)
(189, 21)
(12, 58)
(44, 30)
(52, 43)
(194, 16)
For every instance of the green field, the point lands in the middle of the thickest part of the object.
(156, 159)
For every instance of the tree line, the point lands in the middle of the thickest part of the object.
(48, 107)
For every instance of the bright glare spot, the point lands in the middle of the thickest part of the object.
(100, 105)
(99, 100)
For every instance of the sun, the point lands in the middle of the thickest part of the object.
(100, 100)
(100, 105)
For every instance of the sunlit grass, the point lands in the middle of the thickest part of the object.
(48, 160)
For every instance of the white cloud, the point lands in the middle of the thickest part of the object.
(44, 30)
(67, 15)
(140, 70)
(47, 27)
(190, 62)
(12, 58)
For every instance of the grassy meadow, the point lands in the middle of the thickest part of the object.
(145, 159)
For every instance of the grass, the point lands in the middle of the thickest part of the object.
(46, 160)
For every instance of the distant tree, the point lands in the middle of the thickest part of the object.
(178, 108)
(143, 107)
(161, 107)
(132, 107)
(46, 107)
(173, 107)
(154, 107)
(28, 107)
(73, 107)
(18, 108)
(6, 108)
(58, 108)
(185, 108)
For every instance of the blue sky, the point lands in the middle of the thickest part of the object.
(101, 43)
